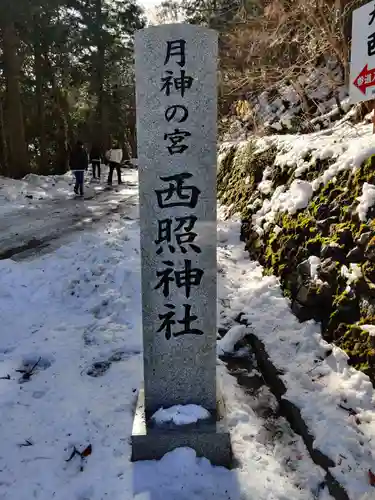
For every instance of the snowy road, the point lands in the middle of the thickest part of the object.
(46, 222)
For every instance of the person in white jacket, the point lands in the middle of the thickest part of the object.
(114, 157)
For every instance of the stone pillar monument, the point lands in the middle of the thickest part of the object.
(176, 105)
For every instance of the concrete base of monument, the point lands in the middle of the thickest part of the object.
(209, 438)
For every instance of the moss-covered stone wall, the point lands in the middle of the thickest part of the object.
(341, 294)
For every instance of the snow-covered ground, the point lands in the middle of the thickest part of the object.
(70, 367)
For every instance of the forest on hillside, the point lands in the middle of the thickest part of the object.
(66, 72)
(67, 65)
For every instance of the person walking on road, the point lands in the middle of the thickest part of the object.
(79, 163)
(114, 156)
(95, 158)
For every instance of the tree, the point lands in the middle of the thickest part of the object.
(107, 36)
(15, 132)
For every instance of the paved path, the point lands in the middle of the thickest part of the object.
(31, 229)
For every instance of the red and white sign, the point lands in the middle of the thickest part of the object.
(362, 64)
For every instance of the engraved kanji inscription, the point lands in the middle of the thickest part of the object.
(176, 138)
(177, 112)
(177, 232)
(180, 83)
(185, 278)
(168, 321)
(176, 48)
(177, 194)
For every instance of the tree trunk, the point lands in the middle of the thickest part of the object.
(4, 167)
(131, 132)
(61, 156)
(65, 129)
(39, 77)
(61, 159)
(98, 75)
(14, 116)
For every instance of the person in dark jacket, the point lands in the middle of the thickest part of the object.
(95, 158)
(79, 163)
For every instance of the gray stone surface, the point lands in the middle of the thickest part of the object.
(179, 369)
(210, 440)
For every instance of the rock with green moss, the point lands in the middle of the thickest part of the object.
(240, 172)
(359, 345)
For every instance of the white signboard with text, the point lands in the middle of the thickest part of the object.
(362, 64)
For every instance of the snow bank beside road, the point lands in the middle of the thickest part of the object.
(33, 189)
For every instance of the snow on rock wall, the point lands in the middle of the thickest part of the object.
(307, 205)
